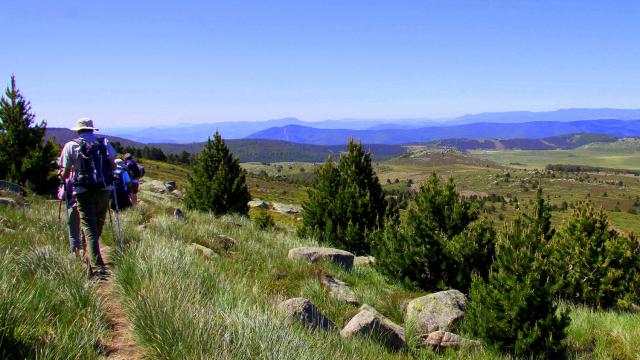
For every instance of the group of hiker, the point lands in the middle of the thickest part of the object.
(93, 180)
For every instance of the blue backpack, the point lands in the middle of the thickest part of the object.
(121, 200)
(94, 166)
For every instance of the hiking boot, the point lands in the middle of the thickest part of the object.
(101, 274)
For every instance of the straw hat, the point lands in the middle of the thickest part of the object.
(84, 124)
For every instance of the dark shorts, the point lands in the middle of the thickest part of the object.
(134, 187)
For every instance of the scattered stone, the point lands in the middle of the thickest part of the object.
(442, 340)
(287, 209)
(178, 194)
(339, 289)
(154, 185)
(314, 254)
(141, 228)
(170, 185)
(227, 241)
(363, 260)
(370, 323)
(8, 202)
(204, 251)
(437, 311)
(303, 310)
(179, 214)
(257, 203)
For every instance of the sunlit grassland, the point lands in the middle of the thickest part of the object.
(48, 307)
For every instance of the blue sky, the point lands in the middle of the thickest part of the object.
(142, 63)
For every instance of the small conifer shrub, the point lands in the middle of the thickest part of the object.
(218, 183)
(263, 220)
(25, 157)
(593, 264)
(515, 309)
(346, 203)
(440, 244)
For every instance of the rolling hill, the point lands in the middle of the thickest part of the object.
(527, 130)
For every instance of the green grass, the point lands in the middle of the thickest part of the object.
(48, 307)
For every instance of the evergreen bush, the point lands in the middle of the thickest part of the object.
(440, 244)
(515, 309)
(345, 204)
(25, 157)
(218, 183)
(593, 263)
(263, 220)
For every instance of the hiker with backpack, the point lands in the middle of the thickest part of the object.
(123, 185)
(92, 161)
(136, 172)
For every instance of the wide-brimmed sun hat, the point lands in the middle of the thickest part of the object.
(84, 124)
(119, 162)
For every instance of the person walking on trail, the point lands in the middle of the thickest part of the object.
(123, 185)
(65, 193)
(136, 172)
(92, 161)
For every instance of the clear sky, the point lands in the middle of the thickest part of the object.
(142, 63)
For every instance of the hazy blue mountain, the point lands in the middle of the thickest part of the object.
(563, 115)
(185, 133)
(528, 130)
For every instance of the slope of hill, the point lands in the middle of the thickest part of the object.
(570, 141)
(250, 150)
(529, 130)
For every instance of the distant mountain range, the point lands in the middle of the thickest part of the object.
(526, 130)
(186, 133)
(259, 150)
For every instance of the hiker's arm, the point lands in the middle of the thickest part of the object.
(65, 162)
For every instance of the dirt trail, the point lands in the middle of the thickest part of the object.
(120, 343)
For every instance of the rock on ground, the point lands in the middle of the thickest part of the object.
(370, 323)
(226, 241)
(442, 340)
(154, 185)
(314, 254)
(339, 289)
(204, 251)
(363, 260)
(437, 311)
(287, 209)
(257, 203)
(303, 310)
(8, 202)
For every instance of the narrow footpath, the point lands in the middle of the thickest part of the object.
(120, 344)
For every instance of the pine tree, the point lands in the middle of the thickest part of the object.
(346, 203)
(515, 309)
(594, 264)
(218, 183)
(440, 244)
(25, 157)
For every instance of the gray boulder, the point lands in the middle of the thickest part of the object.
(154, 186)
(203, 251)
(314, 254)
(257, 203)
(287, 209)
(363, 260)
(5, 201)
(370, 323)
(339, 289)
(442, 340)
(303, 310)
(437, 311)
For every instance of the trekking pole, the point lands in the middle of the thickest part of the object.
(58, 224)
(115, 201)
